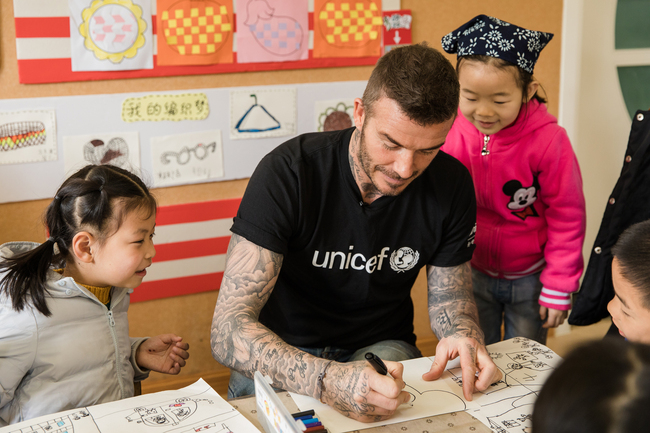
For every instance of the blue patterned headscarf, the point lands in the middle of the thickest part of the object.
(489, 36)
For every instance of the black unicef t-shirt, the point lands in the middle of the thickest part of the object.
(349, 267)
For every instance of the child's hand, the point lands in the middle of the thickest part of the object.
(551, 317)
(165, 353)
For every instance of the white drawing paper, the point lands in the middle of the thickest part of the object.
(334, 115)
(186, 158)
(106, 35)
(258, 113)
(507, 406)
(28, 136)
(428, 398)
(194, 408)
(121, 149)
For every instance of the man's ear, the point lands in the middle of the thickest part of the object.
(82, 246)
(532, 88)
(359, 113)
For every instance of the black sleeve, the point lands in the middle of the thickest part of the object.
(266, 213)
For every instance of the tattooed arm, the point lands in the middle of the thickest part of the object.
(239, 341)
(454, 320)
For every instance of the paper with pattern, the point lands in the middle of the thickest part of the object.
(27, 136)
(110, 35)
(272, 30)
(194, 32)
(347, 28)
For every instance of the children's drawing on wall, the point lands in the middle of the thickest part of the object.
(334, 115)
(347, 28)
(119, 149)
(109, 35)
(27, 136)
(191, 409)
(272, 30)
(261, 113)
(187, 158)
(525, 365)
(194, 32)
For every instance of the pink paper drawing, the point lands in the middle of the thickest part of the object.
(272, 30)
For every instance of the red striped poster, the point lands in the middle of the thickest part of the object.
(191, 244)
(43, 50)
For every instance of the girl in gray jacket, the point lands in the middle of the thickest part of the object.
(64, 334)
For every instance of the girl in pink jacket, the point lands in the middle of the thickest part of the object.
(531, 208)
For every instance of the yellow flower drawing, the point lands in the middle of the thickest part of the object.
(113, 29)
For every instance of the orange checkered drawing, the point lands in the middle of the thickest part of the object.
(194, 32)
(347, 28)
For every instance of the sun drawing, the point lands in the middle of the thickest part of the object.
(113, 29)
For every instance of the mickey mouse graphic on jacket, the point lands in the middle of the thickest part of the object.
(521, 198)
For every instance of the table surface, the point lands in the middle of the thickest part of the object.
(455, 422)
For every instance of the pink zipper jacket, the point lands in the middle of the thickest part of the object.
(531, 206)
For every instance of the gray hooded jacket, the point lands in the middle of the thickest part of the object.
(79, 356)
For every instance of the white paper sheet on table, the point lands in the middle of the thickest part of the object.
(507, 406)
(193, 408)
(429, 398)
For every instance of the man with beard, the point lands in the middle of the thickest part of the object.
(329, 239)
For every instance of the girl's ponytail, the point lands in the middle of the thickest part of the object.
(27, 275)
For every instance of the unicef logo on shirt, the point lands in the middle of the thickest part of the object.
(404, 259)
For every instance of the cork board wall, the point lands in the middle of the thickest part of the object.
(190, 316)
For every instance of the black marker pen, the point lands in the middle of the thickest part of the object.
(380, 368)
(377, 364)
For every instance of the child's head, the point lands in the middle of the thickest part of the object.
(98, 219)
(603, 386)
(630, 308)
(495, 69)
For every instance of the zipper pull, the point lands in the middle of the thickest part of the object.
(485, 150)
(111, 321)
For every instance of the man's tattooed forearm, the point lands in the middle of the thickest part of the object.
(452, 309)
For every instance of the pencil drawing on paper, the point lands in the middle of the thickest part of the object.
(279, 35)
(15, 135)
(183, 156)
(115, 152)
(257, 119)
(525, 366)
(167, 414)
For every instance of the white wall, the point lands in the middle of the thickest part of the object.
(592, 108)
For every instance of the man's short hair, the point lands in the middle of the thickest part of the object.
(632, 251)
(420, 79)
